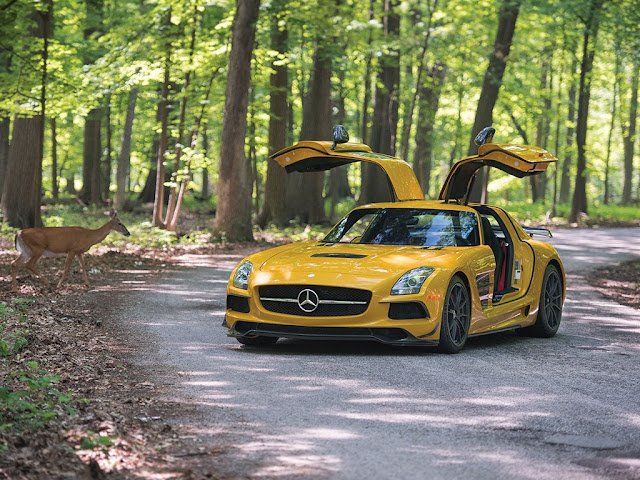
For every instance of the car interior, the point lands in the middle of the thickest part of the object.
(496, 236)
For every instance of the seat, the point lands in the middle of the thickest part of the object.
(492, 241)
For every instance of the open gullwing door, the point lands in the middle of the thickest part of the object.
(316, 156)
(518, 160)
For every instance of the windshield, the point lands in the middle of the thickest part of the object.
(407, 226)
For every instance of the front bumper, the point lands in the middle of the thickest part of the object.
(390, 336)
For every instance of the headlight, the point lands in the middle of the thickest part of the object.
(411, 282)
(241, 277)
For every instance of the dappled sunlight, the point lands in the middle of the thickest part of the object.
(303, 408)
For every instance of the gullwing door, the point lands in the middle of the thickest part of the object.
(316, 156)
(518, 160)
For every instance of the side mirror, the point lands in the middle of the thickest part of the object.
(485, 136)
(340, 135)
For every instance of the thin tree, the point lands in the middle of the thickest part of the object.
(124, 159)
(590, 33)
(274, 207)
(629, 134)
(491, 84)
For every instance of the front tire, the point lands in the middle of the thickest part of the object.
(258, 341)
(550, 308)
(456, 317)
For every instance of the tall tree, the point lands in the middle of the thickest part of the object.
(92, 130)
(507, 17)
(124, 159)
(233, 214)
(22, 192)
(274, 208)
(590, 34)
(629, 134)
(374, 184)
(428, 100)
(304, 193)
(565, 178)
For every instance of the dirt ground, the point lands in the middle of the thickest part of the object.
(74, 334)
(619, 282)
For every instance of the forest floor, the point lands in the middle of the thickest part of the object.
(112, 422)
(115, 423)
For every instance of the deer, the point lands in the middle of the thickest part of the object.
(33, 243)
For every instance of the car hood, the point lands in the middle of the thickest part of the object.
(374, 261)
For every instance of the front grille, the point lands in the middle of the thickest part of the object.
(331, 301)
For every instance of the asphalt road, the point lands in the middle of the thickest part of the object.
(506, 407)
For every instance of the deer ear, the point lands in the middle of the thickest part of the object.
(113, 213)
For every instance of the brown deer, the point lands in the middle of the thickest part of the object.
(33, 243)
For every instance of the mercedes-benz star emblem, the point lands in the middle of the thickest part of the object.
(308, 300)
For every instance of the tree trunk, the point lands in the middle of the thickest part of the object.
(428, 102)
(233, 214)
(419, 84)
(338, 182)
(491, 84)
(205, 170)
(274, 206)
(54, 160)
(106, 178)
(607, 161)
(304, 198)
(538, 182)
(374, 183)
(124, 161)
(5, 125)
(565, 179)
(90, 192)
(579, 203)
(367, 82)
(163, 114)
(22, 192)
(629, 135)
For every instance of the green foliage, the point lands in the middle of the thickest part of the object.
(12, 340)
(30, 400)
(95, 440)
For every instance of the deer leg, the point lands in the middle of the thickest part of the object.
(67, 266)
(15, 266)
(31, 266)
(84, 270)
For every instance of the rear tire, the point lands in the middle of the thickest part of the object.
(456, 317)
(258, 341)
(550, 307)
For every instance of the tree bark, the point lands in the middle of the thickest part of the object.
(538, 182)
(124, 161)
(90, 192)
(5, 125)
(54, 160)
(565, 178)
(629, 135)
(274, 206)
(428, 102)
(22, 192)
(433, 4)
(367, 82)
(304, 193)
(579, 203)
(106, 177)
(491, 84)
(374, 183)
(233, 213)
(612, 125)
(163, 114)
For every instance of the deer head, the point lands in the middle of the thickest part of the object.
(116, 224)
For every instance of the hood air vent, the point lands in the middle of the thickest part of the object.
(338, 255)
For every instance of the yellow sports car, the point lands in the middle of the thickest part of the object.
(410, 272)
